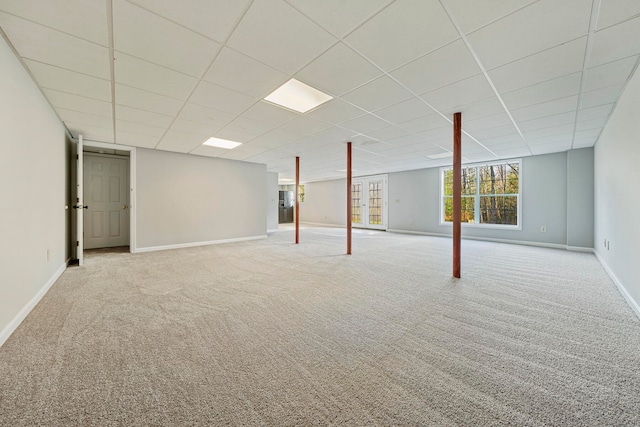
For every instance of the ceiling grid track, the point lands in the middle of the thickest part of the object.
(112, 67)
(472, 51)
(595, 10)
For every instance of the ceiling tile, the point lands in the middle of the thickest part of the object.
(136, 140)
(614, 12)
(488, 122)
(212, 18)
(563, 145)
(142, 116)
(42, 44)
(245, 126)
(236, 134)
(542, 25)
(390, 132)
(145, 100)
(270, 114)
(336, 111)
(138, 128)
(337, 71)
(377, 94)
(550, 64)
(135, 72)
(50, 77)
(62, 15)
(476, 110)
(584, 142)
(364, 124)
(561, 140)
(342, 16)
(613, 43)
(305, 125)
(478, 13)
(446, 65)
(333, 134)
(91, 132)
(421, 124)
(594, 112)
(278, 35)
(542, 92)
(179, 141)
(544, 109)
(550, 131)
(70, 101)
(145, 35)
(613, 73)
(602, 96)
(547, 121)
(403, 111)
(197, 128)
(205, 115)
(460, 93)
(383, 39)
(236, 71)
(497, 132)
(85, 119)
(220, 98)
(591, 124)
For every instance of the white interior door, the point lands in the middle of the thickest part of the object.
(106, 183)
(369, 202)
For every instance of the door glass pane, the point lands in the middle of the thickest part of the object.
(375, 203)
(356, 203)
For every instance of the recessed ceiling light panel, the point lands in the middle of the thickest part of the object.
(297, 96)
(221, 143)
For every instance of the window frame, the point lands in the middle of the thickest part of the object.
(477, 196)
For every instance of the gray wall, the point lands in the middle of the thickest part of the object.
(185, 199)
(617, 178)
(272, 201)
(414, 202)
(34, 184)
(325, 202)
(580, 198)
(414, 195)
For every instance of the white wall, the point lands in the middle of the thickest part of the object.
(325, 202)
(272, 201)
(184, 199)
(617, 184)
(34, 190)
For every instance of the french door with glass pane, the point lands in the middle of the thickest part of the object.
(369, 204)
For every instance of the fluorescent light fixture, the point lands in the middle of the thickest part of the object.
(221, 143)
(440, 156)
(297, 96)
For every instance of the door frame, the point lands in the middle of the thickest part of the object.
(132, 185)
(385, 199)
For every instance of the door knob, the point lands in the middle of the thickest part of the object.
(124, 206)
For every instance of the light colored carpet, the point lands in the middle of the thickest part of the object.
(270, 333)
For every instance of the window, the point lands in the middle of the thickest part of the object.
(490, 194)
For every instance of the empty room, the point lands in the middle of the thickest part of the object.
(320, 212)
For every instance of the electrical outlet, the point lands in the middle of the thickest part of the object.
(543, 229)
(605, 243)
(608, 241)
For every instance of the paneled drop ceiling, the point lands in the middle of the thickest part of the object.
(529, 76)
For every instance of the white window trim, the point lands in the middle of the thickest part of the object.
(477, 225)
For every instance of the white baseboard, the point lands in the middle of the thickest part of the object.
(581, 249)
(193, 244)
(623, 291)
(22, 314)
(272, 230)
(486, 239)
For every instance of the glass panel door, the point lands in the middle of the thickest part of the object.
(369, 202)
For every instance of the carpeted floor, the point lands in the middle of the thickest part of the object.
(271, 333)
